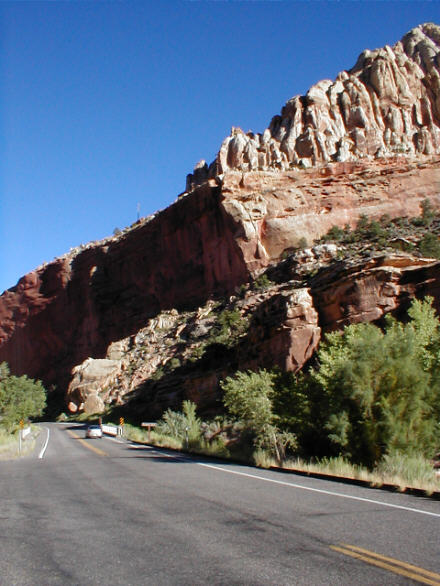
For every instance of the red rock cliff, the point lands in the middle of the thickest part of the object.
(74, 307)
(366, 143)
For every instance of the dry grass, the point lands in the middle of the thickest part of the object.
(404, 470)
(263, 460)
(166, 441)
(398, 470)
(137, 434)
(9, 445)
(332, 466)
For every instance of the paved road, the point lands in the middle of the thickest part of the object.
(102, 512)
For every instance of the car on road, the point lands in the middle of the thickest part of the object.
(93, 431)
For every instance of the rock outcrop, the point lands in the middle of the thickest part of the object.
(179, 355)
(388, 104)
(366, 291)
(274, 211)
(85, 392)
(367, 143)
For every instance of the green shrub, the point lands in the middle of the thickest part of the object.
(173, 363)
(197, 353)
(429, 245)
(241, 291)
(216, 448)
(335, 233)
(381, 390)
(428, 213)
(157, 374)
(183, 425)
(262, 283)
(21, 398)
(229, 327)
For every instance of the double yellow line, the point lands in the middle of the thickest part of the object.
(86, 444)
(390, 564)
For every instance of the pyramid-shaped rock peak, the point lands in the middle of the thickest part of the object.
(388, 104)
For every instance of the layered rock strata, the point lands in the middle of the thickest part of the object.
(204, 245)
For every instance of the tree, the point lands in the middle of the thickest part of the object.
(429, 245)
(428, 212)
(381, 388)
(248, 397)
(20, 398)
(181, 425)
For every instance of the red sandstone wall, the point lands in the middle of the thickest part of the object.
(58, 316)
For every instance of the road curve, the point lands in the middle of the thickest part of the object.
(104, 512)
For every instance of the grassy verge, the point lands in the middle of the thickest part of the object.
(398, 470)
(9, 444)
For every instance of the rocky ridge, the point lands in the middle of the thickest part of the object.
(388, 104)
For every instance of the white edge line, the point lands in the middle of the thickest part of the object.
(41, 454)
(319, 490)
(299, 486)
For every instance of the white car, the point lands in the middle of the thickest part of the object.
(93, 431)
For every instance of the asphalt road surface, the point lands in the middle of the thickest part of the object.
(107, 512)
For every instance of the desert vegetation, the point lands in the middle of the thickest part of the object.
(369, 407)
(418, 235)
(21, 399)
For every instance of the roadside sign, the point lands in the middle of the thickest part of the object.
(148, 425)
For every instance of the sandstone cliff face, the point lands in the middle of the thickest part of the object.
(387, 104)
(366, 291)
(273, 211)
(204, 245)
(75, 307)
(176, 356)
(364, 144)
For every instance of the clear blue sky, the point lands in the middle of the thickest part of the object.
(107, 104)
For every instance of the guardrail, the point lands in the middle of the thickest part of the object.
(109, 429)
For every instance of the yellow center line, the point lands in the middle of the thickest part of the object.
(86, 444)
(393, 561)
(398, 567)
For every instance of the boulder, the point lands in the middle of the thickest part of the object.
(89, 382)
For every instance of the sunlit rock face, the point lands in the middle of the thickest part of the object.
(388, 104)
